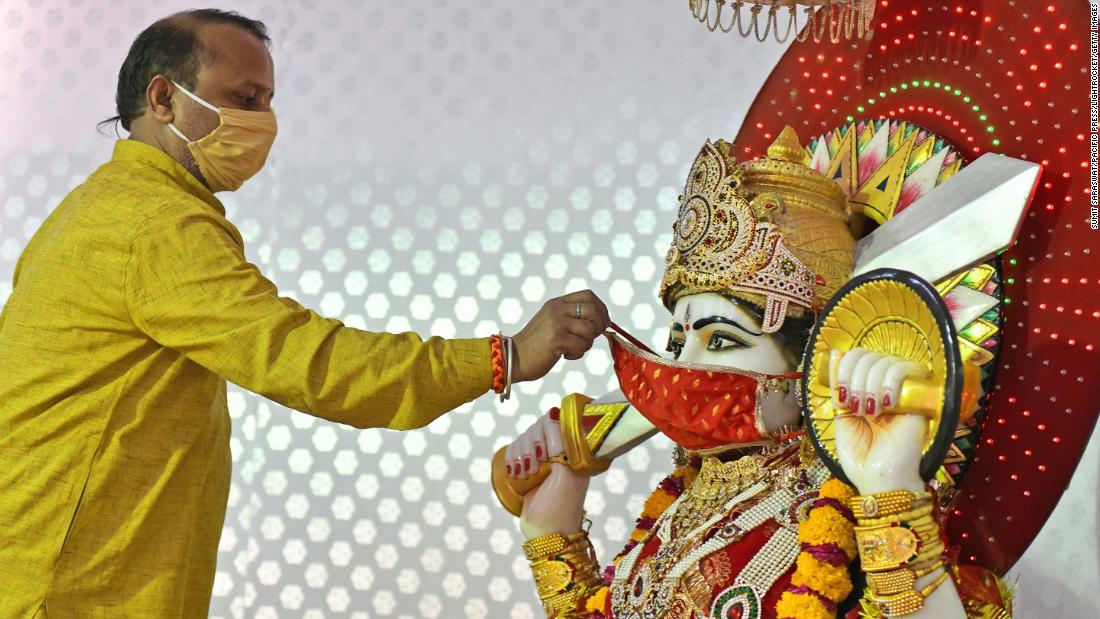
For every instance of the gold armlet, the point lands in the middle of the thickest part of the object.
(907, 602)
(898, 547)
(888, 503)
(564, 568)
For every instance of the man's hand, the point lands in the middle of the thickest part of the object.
(557, 331)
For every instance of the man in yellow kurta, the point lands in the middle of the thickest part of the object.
(134, 303)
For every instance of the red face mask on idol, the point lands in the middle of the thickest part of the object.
(700, 407)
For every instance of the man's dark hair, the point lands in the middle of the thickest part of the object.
(170, 47)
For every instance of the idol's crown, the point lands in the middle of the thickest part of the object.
(723, 242)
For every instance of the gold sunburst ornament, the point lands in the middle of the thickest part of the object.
(833, 19)
(896, 313)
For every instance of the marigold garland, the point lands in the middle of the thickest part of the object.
(832, 581)
(826, 525)
(661, 499)
(802, 606)
(821, 577)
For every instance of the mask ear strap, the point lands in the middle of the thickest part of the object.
(197, 99)
(172, 126)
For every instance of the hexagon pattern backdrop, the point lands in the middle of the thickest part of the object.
(442, 167)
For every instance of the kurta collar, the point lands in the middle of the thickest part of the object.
(140, 152)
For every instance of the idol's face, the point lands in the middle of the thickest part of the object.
(708, 328)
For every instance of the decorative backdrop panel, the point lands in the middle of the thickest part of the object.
(443, 167)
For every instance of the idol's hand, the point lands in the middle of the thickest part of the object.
(557, 504)
(565, 326)
(879, 451)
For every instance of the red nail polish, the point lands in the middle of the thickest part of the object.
(538, 451)
(842, 394)
(508, 468)
(526, 464)
(870, 406)
(855, 404)
(555, 413)
(886, 401)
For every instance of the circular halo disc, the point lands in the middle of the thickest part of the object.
(892, 312)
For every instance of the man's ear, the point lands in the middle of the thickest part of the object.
(158, 99)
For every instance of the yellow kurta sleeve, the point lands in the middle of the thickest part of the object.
(190, 288)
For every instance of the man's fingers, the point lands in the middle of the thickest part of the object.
(584, 329)
(572, 346)
(592, 308)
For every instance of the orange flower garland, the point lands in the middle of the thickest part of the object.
(821, 577)
(663, 496)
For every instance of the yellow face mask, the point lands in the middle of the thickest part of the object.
(235, 150)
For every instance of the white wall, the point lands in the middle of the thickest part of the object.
(442, 166)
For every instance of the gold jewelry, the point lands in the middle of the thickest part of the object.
(564, 569)
(886, 547)
(898, 581)
(887, 503)
(750, 242)
(908, 602)
(716, 483)
(912, 515)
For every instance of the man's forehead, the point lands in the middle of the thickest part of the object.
(237, 56)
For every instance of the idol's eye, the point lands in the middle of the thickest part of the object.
(720, 340)
(675, 347)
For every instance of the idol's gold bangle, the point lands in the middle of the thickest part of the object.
(907, 602)
(900, 580)
(887, 503)
(564, 568)
(913, 515)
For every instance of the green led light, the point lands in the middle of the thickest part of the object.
(850, 119)
(864, 108)
(1010, 281)
(1007, 300)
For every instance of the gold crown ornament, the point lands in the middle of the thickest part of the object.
(772, 232)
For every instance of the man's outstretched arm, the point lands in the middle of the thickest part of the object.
(190, 288)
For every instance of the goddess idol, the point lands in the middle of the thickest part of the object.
(825, 410)
(751, 523)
